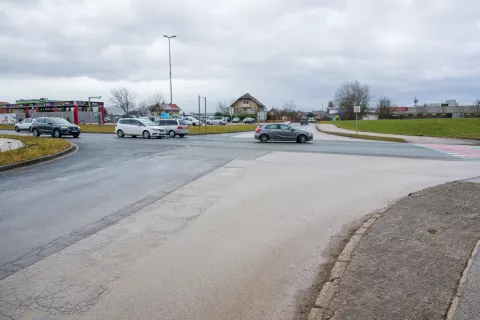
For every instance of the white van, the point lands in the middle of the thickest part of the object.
(174, 127)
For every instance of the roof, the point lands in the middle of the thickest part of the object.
(247, 96)
(172, 107)
(1, 103)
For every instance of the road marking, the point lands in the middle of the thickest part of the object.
(459, 151)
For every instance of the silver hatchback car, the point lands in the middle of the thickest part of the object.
(174, 127)
(281, 132)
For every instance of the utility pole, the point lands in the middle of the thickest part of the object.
(170, 61)
(200, 123)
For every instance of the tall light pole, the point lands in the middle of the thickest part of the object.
(170, 60)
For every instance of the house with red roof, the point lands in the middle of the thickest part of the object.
(172, 109)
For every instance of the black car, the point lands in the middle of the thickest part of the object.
(57, 127)
(304, 120)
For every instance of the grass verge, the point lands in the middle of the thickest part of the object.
(364, 137)
(34, 148)
(97, 128)
(446, 128)
(221, 129)
(7, 127)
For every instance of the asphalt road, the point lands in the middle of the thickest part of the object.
(244, 241)
(112, 177)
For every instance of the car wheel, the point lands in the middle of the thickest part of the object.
(17, 129)
(146, 134)
(30, 129)
(120, 134)
(171, 134)
(194, 124)
(302, 139)
(36, 133)
(264, 138)
(57, 133)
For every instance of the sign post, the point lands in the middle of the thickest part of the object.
(356, 109)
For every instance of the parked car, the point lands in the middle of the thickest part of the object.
(57, 127)
(303, 121)
(174, 127)
(281, 132)
(249, 120)
(138, 127)
(311, 120)
(191, 121)
(236, 120)
(216, 121)
(25, 124)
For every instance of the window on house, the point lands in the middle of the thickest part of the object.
(246, 102)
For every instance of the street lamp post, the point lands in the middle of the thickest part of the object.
(170, 62)
(205, 98)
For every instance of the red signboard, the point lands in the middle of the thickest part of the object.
(399, 109)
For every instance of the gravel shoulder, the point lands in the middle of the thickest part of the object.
(409, 263)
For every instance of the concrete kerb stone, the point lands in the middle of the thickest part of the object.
(72, 149)
(330, 288)
(454, 304)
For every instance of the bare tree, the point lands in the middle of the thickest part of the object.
(352, 94)
(223, 107)
(123, 98)
(142, 108)
(289, 107)
(156, 103)
(475, 108)
(384, 108)
(461, 110)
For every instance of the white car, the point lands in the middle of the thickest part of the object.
(25, 124)
(138, 127)
(191, 121)
(216, 121)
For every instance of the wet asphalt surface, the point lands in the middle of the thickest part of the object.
(49, 206)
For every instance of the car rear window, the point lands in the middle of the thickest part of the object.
(182, 122)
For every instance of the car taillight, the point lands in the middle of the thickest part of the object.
(258, 129)
(179, 128)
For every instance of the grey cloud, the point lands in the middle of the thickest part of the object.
(291, 49)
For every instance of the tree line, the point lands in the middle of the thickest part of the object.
(126, 100)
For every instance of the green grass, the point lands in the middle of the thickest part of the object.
(448, 128)
(34, 148)
(7, 127)
(221, 129)
(364, 137)
(97, 128)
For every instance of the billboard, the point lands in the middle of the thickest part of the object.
(8, 118)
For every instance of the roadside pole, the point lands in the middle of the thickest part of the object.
(199, 123)
(356, 109)
(205, 113)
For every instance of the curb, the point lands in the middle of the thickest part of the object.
(330, 288)
(361, 136)
(73, 148)
(454, 303)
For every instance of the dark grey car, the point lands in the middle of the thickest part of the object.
(281, 132)
(57, 127)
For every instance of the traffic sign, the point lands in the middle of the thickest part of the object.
(340, 112)
(356, 109)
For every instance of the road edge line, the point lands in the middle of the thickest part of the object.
(55, 156)
(461, 284)
(330, 287)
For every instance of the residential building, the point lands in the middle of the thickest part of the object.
(247, 105)
(172, 109)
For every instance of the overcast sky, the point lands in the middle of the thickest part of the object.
(277, 50)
